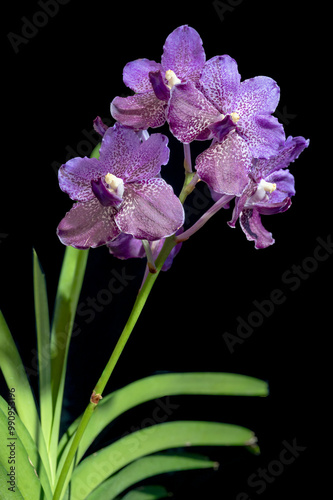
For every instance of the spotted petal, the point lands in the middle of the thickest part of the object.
(136, 74)
(150, 210)
(189, 113)
(255, 101)
(220, 82)
(183, 53)
(251, 224)
(288, 153)
(147, 160)
(88, 224)
(119, 145)
(139, 111)
(224, 166)
(75, 177)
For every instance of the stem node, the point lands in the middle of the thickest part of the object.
(95, 398)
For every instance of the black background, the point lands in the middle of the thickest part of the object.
(54, 86)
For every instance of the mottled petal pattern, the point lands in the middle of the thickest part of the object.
(224, 166)
(189, 113)
(147, 160)
(75, 177)
(251, 224)
(136, 74)
(264, 134)
(290, 150)
(183, 53)
(87, 225)
(150, 210)
(259, 95)
(119, 145)
(139, 111)
(220, 82)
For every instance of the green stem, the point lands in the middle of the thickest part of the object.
(189, 184)
(100, 386)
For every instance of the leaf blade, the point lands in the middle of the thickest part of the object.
(68, 292)
(38, 457)
(25, 478)
(43, 348)
(146, 467)
(157, 386)
(147, 493)
(14, 372)
(161, 436)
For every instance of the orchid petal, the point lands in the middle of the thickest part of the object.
(189, 113)
(183, 53)
(88, 224)
(139, 111)
(136, 74)
(161, 90)
(288, 153)
(224, 166)
(220, 82)
(250, 222)
(147, 160)
(150, 210)
(75, 177)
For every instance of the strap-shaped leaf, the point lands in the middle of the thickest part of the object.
(147, 493)
(16, 378)
(30, 447)
(4, 492)
(158, 386)
(43, 346)
(145, 467)
(96, 468)
(15, 459)
(68, 292)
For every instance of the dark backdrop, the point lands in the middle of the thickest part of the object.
(58, 78)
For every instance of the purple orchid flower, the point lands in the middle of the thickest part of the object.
(221, 103)
(120, 192)
(269, 191)
(182, 61)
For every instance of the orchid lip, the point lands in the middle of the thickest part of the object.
(106, 197)
(260, 194)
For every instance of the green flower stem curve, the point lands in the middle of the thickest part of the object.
(104, 378)
(141, 299)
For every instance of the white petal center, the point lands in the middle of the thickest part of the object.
(115, 184)
(172, 78)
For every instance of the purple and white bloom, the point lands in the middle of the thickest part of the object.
(268, 191)
(221, 103)
(182, 61)
(120, 192)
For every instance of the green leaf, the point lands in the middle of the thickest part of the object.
(94, 469)
(16, 378)
(145, 467)
(158, 386)
(68, 292)
(43, 347)
(147, 493)
(14, 458)
(4, 492)
(40, 460)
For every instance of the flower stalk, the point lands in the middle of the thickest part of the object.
(140, 301)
